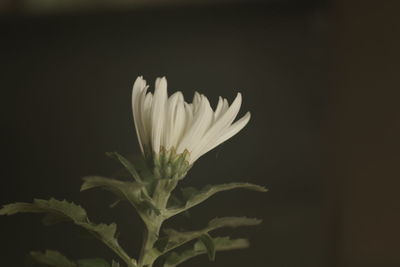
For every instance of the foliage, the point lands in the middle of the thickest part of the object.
(153, 200)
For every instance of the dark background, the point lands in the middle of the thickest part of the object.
(320, 79)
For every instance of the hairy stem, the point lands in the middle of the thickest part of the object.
(161, 195)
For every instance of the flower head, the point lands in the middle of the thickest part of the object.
(173, 128)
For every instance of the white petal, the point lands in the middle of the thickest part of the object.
(228, 133)
(158, 113)
(218, 108)
(224, 108)
(169, 126)
(189, 116)
(196, 99)
(201, 122)
(223, 122)
(138, 87)
(179, 121)
(146, 118)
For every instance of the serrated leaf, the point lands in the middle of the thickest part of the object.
(132, 191)
(220, 244)
(52, 258)
(96, 262)
(120, 188)
(105, 231)
(195, 197)
(127, 164)
(209, 245)
(175, 238)
(57, 210)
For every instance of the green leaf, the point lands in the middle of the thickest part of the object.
(104, 231)
(132, 191)
(174, 239)
(115, 264)
(209, 245)
(52, 258)
(127, 164)
(175, 202)
(124, 190)
(195, 197)
(57, 211)
(220, 244)
(97, 262)
(56, 259)
(232, 222)
(225, 243)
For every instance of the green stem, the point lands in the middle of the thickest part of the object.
(161, 195)
(148, 254)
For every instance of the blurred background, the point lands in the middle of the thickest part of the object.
(320, 78)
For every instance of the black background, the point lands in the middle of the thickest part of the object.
(66, 81)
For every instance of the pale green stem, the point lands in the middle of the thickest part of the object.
(148, 255)
(161, 195)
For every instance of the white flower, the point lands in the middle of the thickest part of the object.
(169, 123)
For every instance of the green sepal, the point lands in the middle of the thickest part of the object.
(194, 196)
(167, 164)
(220, 244)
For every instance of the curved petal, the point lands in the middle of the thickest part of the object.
(201, 121)
(179, 119)
(138, 87)
(146, 118)
(220, 125)
(158, 113)
(169, 125)
(228, 133)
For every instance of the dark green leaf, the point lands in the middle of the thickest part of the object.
(120, 188)
(97, 262)
(195, 197)
(220, 244)
(132, 191)
(52, 258)
(161, 243)
(178, 238)
(57, 210)
(127, 164)
(209, 245)
(232, 222)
